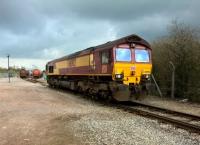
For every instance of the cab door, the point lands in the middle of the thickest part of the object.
(92, 63)
(106, 63)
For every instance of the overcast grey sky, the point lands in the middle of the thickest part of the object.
(42, 30)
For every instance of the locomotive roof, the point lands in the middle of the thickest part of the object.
(128, 39)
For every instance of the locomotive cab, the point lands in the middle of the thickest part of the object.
(132, 66)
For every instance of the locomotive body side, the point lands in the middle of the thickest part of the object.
(112, 70)
(87, 64)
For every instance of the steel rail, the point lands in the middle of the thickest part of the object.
(192, 116)
(178, 123)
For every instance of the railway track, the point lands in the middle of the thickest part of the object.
(36, 81)
(182, 120)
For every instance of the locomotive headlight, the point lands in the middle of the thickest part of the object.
(147, 76)
(119, 76)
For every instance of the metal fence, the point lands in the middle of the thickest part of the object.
(166, 88)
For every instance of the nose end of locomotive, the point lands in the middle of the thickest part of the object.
(121, 92)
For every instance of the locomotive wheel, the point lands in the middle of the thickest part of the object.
(79, 90)
(109, 99)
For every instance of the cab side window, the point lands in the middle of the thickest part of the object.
(50, 69)
(105, 57)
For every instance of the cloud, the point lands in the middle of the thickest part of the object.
(19, 17)
(47, 29)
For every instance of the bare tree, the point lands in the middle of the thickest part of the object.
(182, 47)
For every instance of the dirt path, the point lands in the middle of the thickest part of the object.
(30, 114)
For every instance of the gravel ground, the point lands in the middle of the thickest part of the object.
(107, 126)
(34, 114)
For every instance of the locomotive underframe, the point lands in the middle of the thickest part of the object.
(98, 87)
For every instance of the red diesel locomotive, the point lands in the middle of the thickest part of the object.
(117, 70)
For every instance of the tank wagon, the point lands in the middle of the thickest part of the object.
(23, 73)
(36, 73)
(117, 70)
